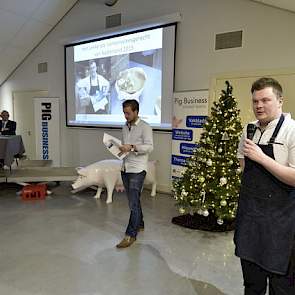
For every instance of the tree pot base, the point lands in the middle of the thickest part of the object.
(200, 222)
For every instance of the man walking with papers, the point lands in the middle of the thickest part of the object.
(137, 144)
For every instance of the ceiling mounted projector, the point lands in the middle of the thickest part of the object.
(110, 2)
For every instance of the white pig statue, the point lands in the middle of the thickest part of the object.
(107, 173)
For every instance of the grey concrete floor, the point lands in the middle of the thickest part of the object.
(65, 245)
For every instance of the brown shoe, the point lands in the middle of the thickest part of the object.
(126, 242)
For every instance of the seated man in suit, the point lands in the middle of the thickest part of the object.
(7, 127)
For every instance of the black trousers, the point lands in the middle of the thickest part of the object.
(255, 280)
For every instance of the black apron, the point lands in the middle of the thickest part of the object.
(92, 92)
(265, 224)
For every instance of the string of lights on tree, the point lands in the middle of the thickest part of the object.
(210, 183)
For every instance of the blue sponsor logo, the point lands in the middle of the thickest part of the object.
(188, 148)
(195, 121)
(182, 134)
(179, 160)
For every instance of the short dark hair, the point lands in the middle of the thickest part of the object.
(92, 61)
(268, 82)
(133, 103)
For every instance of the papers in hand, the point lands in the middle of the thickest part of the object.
(112, 143)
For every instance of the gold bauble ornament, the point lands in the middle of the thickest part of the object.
(223, 203)
(201, 179)
(181, 210)
(220, 221)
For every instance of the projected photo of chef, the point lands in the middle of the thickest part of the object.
(103, 84)
(92, 88)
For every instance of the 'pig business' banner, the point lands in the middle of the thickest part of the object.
(46, 111)
(190, 110)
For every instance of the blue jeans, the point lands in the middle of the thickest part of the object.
(133, 183)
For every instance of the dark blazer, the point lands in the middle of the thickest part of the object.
(11, 125)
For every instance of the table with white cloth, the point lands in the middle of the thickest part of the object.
(10, 146)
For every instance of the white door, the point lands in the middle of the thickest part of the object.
(23, 114)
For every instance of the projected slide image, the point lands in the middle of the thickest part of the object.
(103, 84)
(102, 73)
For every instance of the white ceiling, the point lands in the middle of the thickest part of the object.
(24, 23)
(283, 4)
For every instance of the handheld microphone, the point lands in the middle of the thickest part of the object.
(251, 128)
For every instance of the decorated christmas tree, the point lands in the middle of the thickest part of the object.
(209, 186)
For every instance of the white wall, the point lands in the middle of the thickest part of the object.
(267, 44)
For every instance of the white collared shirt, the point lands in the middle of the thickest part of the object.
(4, 125)
(284, 146)
(141, 135)
(86, 83)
